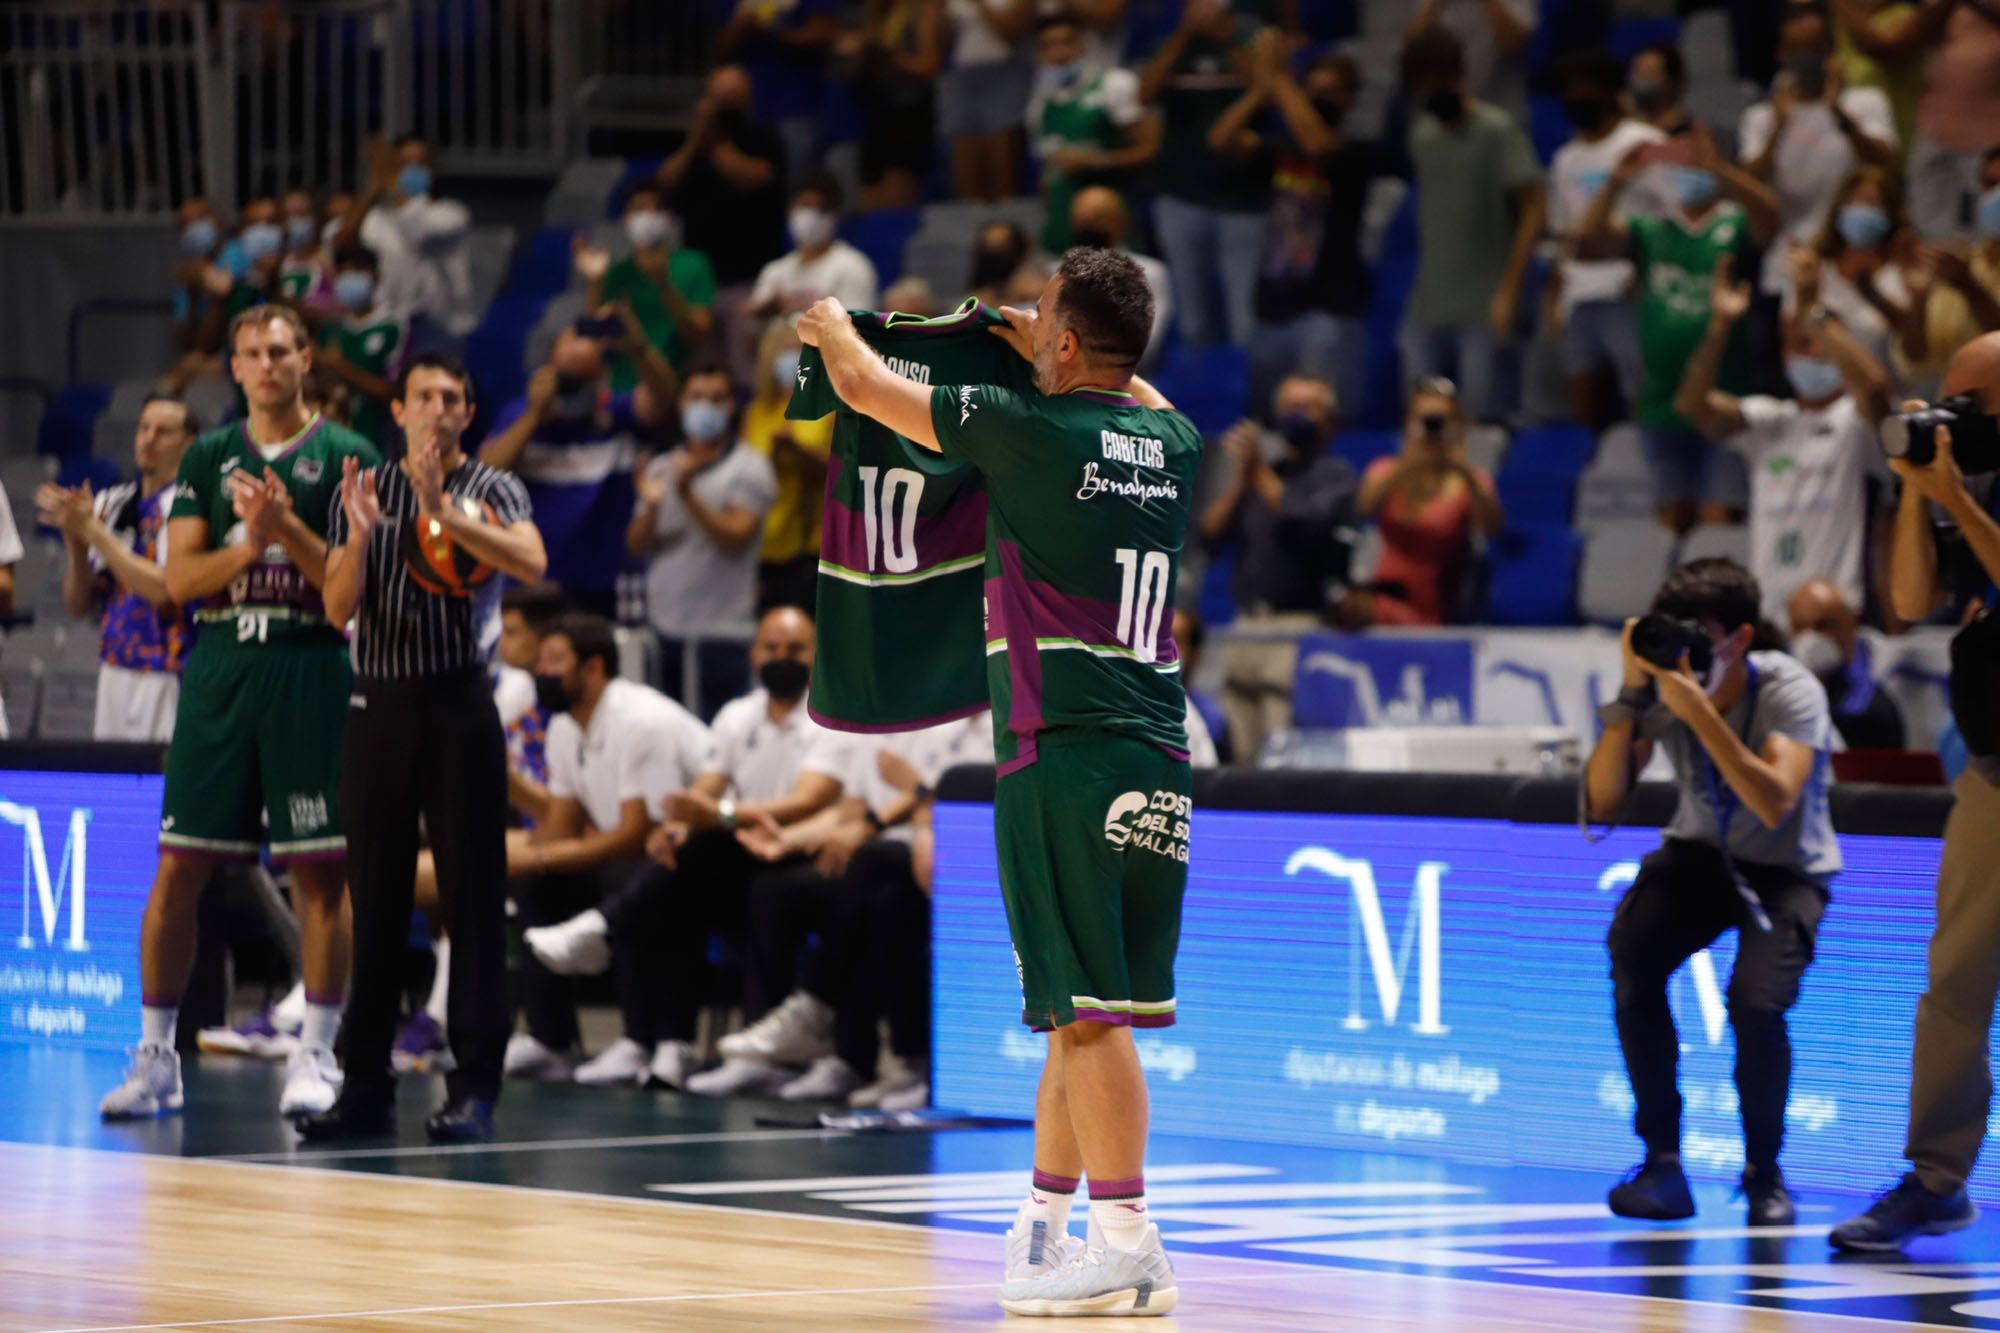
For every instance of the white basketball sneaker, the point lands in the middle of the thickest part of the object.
(312, 1082)
(578, 947)
(623, 1061)
(1033, 1249)
(152, 1086)
(797, 1032)
(830, 1079)
(673, 1064)
(1095, 1280)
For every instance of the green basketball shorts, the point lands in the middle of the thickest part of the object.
(256, 752)
(1093, 849)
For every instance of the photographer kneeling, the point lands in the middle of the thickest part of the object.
(1750, 846)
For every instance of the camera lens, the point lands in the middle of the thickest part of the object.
(1433, 423)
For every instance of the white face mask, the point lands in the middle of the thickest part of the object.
(811, 227)
(1818, 653)
(646, 228)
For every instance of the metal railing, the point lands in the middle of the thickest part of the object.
(106, 108)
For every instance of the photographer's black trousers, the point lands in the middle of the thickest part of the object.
(1682, 900)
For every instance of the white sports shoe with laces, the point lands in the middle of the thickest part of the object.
(1095, 1280)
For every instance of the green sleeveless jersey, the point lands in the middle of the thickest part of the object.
(374, 342)
(902, 537)
(272, 602)
(1088, 496)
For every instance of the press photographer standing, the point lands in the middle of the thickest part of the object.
(1750, 846)
(1951, 1077)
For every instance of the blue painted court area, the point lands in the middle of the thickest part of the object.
(1357, 1211)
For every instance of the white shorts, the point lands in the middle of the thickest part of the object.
(136, 705)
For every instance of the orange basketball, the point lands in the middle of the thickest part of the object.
(435, 560)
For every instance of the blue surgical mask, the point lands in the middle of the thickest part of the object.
(199, 237)
(300, 232)
(261, 240)
(1987, 214)
(785, 369)
(1863, 226)
(1814, 377)
(1066, 74)
(354, 290)
(413, 180)
(1693, 186)
(704, 421)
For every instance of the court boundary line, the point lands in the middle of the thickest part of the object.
(1287, 1265)
(528, 1145)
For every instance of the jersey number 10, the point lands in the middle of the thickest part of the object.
(1142, 600)
(889, 516)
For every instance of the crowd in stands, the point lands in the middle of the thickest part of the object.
(1378, 235)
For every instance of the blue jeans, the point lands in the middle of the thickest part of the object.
(1466, 354)
(1333, 347)
(1200, 242)
(1689, 468)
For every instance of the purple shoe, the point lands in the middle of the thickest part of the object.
(257, 1037)
(420, 1047)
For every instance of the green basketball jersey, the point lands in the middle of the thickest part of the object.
(902, 537)
(375, 343)
(1088, 496)
(273, 601)
(1676, 271)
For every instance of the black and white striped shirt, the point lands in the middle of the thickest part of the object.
(405, 631)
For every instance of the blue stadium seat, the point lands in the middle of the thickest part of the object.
(71, 421)
(1382, 370)
(1362, 447)
(493, 353)
(881, 235)
(1211, 385)
(1548, 126)
(543, 264)
(1560, 449)
(1533, 575)
(1528, 498)
(1633, 31)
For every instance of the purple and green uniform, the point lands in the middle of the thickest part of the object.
(256, 751)
(1088, 495)
(902, 537)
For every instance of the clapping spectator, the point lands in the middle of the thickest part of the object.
(819, 263)
(700, 513)
(1313, 284)
(1085, 124)
(1954, 297)
(420, 241)
(1850, 266)
(788, 566)
(303, 273)
(893, 61)
(1587, 302)
(260, 242)
(1720, 212)
(1097, 217)
(363, 345)
(783, 47)
(669, 287)
(1429, 502)
(573, 440)
(1811, 133)
(997, 254)
(984, 94)
(726, 180)
(1479, 214)
(1882, 44)
(1283, 502)
(1956, 115)
(1810, 457)
(1657, 80)
(1494, 35)
(1212, 199)
(201, 281)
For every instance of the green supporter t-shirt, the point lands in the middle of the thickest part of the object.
(272, 602)
(1203, 85)
(1676, 262)
(1088, 495)
(902, 537)
(375, 342)
(1466, 177)
(692, 277)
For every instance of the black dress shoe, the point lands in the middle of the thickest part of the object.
(1770, 1202)
(463, 1120)
(1656, 1190)
(349, 1120)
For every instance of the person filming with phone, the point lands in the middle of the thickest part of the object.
(575, 441)
(1948, 455)
(1750, 847)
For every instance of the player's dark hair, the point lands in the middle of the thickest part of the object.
(1670, 60)
(1060, 17)
(1105, 300)
(405, 140)
(1714, 587)
(589, 636)
(827, 186)
(188, 422)
(266, 313)
(1433, 53)
(440, 361)
(355, 255)
(539, 604)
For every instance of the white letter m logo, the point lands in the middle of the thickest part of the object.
(38, 886)
(1366, 925)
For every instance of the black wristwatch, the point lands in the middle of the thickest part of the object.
(875, 821)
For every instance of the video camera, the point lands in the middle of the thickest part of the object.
(1975, 436)
(1662, 639)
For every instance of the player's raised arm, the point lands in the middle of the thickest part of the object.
(863, 379)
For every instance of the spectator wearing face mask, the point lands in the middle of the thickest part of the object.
(1097, 217)
(788, 557)
(1851, 267)
(419, 240)
(1657, 81)
(701, 510)
(1811, 133)
(574, 441)
(1954, 295)
(819, 264)
(303, 274)
(997, 254)
(1956, 115)
(670, 288)
(726, 182)
(1085, 125)
(1494, 35)
(783, 46)
(1810, 458)
(201, 280)
(260, 247)
(1826, 640)
(363, 346)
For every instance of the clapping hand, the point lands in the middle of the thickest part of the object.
(67, 508)
(1728, 300)
(262, 504)
(427, 476)
(358, 498)
(592, 261)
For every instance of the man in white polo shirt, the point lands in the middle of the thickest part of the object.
(770, 766)
(615, 749)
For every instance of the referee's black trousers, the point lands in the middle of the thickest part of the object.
(431, 746)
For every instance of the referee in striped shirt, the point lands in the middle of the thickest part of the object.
(423, 737)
